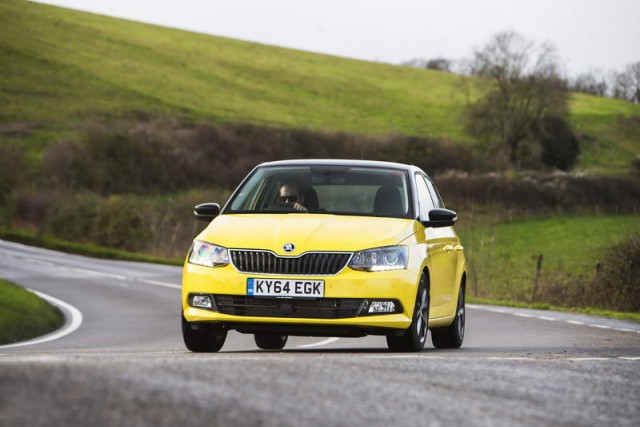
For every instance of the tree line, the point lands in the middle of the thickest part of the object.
(624, 84)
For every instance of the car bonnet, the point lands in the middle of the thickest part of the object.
(306, 232)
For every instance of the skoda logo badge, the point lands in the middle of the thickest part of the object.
(289, 247)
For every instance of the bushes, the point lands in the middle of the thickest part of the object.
(162, 155)
(119, 159)
(433, 155)
(541, 193)
(560, 148)
(617, 283)
(12, 168)
(114, 221)
(159, 226)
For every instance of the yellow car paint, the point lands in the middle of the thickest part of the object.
(333, 233)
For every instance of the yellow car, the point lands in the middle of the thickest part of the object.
(341, 248)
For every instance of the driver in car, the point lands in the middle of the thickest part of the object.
(290, 195)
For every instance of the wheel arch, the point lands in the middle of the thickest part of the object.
(425, 271)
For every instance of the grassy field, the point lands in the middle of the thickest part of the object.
(61, 67)
(24, 315)
(503, 257)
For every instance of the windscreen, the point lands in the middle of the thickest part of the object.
(340, 190)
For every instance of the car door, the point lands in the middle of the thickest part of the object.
(441, 244)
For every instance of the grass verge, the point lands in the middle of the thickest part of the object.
(24, 315)
(502, 257)
(43, 241)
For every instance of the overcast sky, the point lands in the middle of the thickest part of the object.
(588, 34)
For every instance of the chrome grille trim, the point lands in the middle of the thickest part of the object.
(306, 264)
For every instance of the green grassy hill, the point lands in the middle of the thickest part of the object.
(59, 67)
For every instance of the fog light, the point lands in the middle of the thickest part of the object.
(382, 307)
(201, 301)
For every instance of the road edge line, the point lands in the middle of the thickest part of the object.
(320, 343)
(73, 320)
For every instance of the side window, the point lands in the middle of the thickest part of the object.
(426, 204)
(437, 200)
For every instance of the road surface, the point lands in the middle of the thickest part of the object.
(120, 361)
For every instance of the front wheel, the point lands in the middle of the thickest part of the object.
(204, 338)
(451, 336)
(267, 341)
(414, 338)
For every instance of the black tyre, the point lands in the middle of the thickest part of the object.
(267, 341)
(452, 336)
(204, 339)
(414, 338)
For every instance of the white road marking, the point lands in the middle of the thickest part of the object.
(320, 343)
(69, 327)
(510, 358)
(157, 283)
(40, 262)
(524, 315)
(588, 359)
(96, 272)
(551, 319)
(102, 274)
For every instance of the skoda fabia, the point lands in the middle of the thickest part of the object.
(327, 248)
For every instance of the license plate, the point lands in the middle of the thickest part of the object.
(285, 288)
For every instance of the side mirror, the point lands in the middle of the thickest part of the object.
(206, 211)
(440, 218)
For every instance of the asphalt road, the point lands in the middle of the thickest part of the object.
(124, 364)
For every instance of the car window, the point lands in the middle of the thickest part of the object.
(424, 198)
(342, 190)
(435, 196)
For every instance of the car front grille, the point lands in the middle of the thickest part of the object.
(325, 308)
(313, 263)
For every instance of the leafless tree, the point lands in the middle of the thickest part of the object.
(519, 83)
(591, 82)
(627, 83)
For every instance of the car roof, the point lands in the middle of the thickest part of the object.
(342, 162)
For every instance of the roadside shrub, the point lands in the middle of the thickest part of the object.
(432, 155)
(560, 148)
(564, 289)
(31, 206)
(73, 217)
(121, 222)
(161, 226)
(635, 164)
(117, 159)
(617, 284)
(12, 169)
(162, 155)
(537, 192)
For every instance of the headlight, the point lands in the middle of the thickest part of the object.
(380, 259)
(208, 254)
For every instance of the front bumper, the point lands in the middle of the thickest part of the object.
(397, 285)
